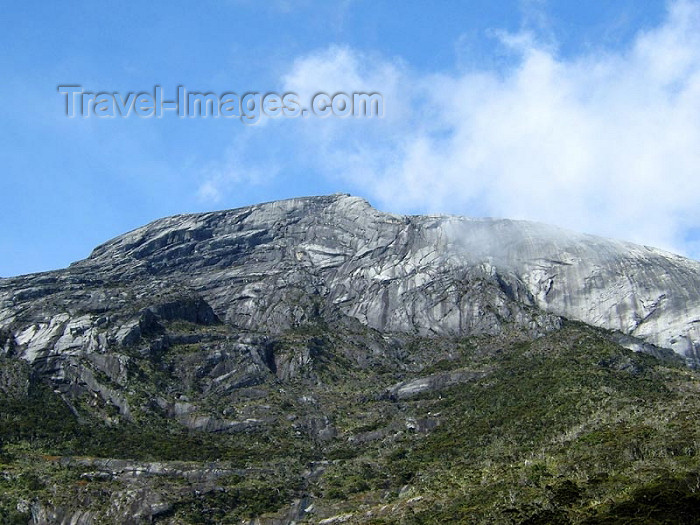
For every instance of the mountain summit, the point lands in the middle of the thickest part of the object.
(278, 265)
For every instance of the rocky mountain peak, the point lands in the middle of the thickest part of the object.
(275, 265)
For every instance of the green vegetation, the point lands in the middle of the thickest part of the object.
(566, 429)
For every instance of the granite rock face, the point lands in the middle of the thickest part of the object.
(274, 266)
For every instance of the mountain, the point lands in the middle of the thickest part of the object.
(269, 267)
(316, 359)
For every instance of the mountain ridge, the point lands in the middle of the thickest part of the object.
(408, 273)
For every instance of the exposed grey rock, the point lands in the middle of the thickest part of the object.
(286, 264)
(365, 437)
(422, 425)
(262, 267)
(120, 468)
(433, 383)
(212, 424)
(128, 507)
(42, 515)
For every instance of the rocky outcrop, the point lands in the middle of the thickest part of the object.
(433, 383)
(285, 264)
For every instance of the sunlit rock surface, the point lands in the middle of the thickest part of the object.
(274, 266)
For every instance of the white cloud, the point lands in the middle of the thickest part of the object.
(218, 179)
(608, 144)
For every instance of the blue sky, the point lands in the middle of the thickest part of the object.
(581, 114)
